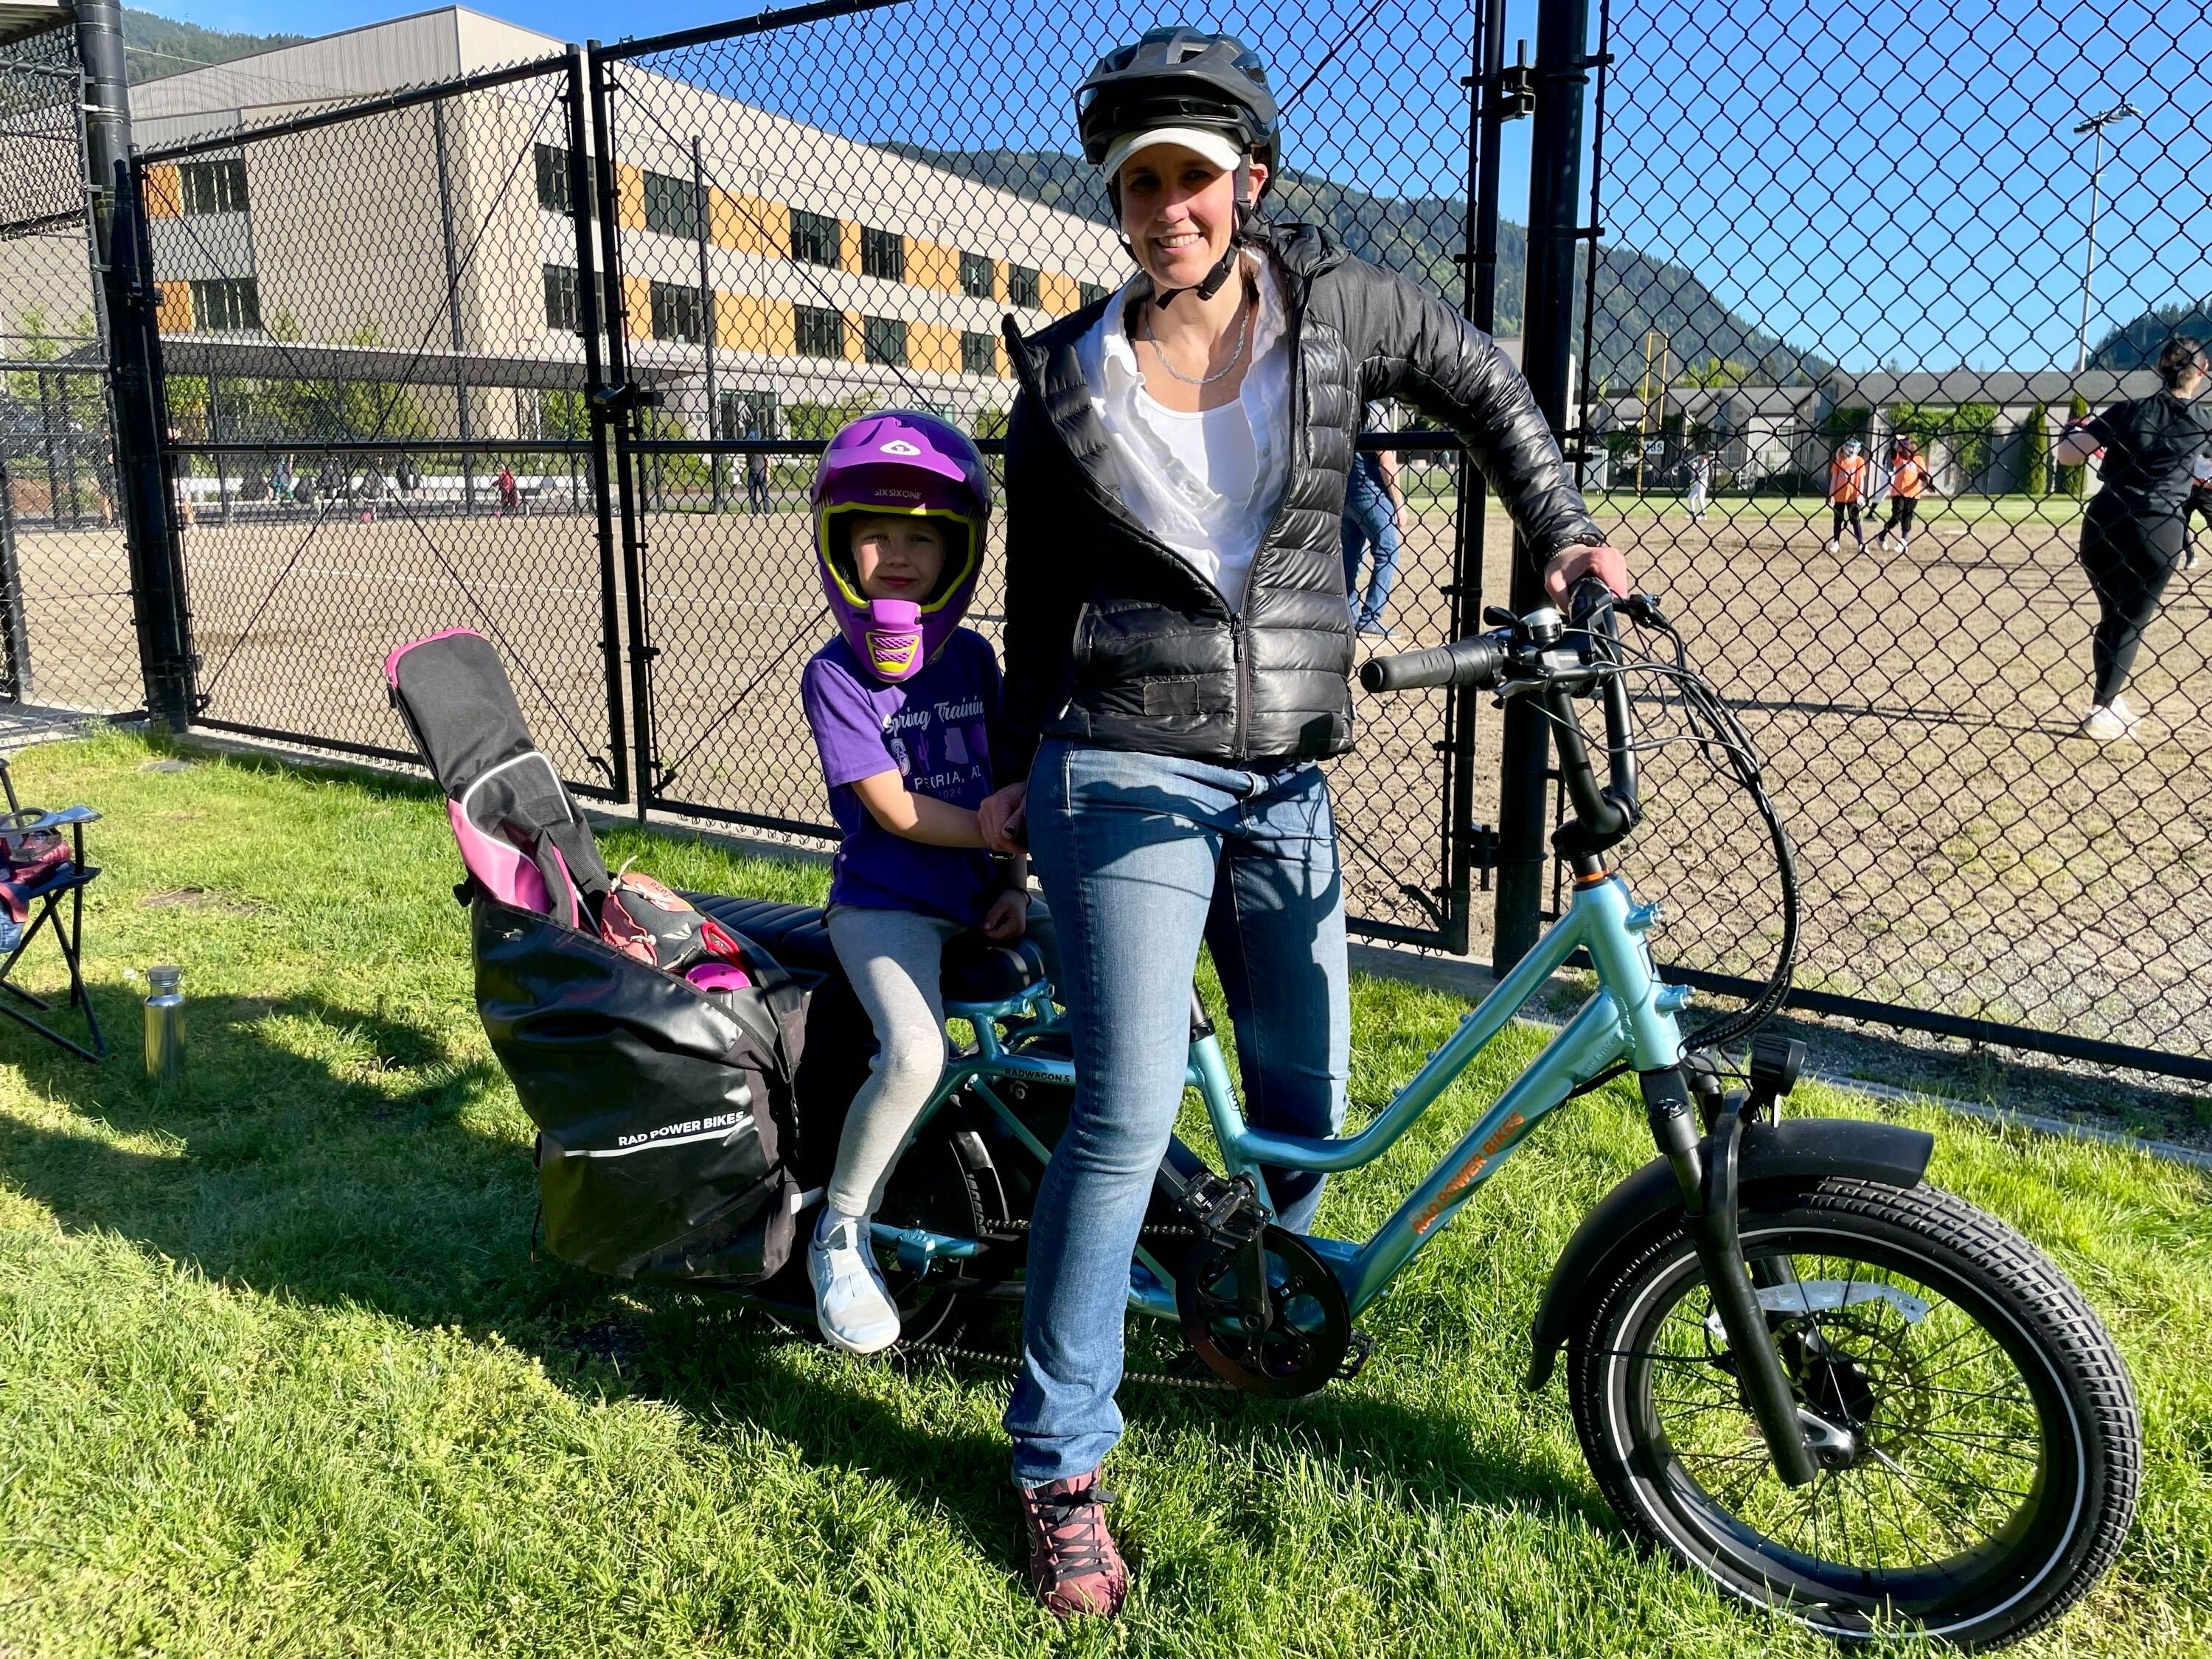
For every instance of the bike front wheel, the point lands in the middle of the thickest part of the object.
(1980, 1444)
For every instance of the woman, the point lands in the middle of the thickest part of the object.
(2135, 529)
(1177, 645)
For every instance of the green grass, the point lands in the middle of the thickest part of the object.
(281, 1375)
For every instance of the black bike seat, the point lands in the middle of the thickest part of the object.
(975, 969)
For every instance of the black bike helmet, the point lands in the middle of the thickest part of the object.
(1179, 78)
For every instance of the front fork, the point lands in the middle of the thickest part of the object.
(1706, 1173)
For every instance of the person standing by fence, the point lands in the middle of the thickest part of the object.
(1374, 508)
(756, 481)
(1847, 483)
(2135, 528)
(1176, 671)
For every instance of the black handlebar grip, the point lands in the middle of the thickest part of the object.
(1477, 662)
(1409, 671)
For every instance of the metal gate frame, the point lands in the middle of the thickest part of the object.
(187, 694)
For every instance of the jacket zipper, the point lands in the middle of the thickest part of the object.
(1240, 657)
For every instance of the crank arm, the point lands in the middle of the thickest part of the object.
(1708, 1198)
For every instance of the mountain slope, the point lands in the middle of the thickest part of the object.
(155, 46)
(1419, 235)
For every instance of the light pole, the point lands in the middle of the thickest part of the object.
(2096, 125)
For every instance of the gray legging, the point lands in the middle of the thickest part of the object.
(894, 959)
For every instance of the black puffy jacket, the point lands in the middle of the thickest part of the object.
(1111, 639)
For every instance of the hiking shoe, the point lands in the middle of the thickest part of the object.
(1073, 1565)
(850, 1303)
(1374, 628)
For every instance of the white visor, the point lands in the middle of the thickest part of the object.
(1218, 148)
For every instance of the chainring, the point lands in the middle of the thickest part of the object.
(1305, 1346)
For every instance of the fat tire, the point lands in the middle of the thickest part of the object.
(1989, 1259)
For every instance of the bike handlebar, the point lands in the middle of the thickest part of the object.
(1557, 663)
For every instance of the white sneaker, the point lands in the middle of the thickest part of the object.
(850, 1302)
(2129, 716)
(2105, 725)
(1833, 547)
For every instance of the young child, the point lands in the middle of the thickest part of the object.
(899, 703)
(1847, 486)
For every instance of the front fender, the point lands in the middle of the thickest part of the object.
(1796, 1150)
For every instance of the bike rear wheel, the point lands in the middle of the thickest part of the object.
(1983, 1448)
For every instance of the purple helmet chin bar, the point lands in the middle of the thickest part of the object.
(900, 464)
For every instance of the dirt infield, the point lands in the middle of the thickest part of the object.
(1960, 847)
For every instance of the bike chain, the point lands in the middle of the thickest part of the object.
(1018, 1224)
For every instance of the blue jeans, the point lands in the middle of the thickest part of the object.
(1141, 856)
(1368, 518)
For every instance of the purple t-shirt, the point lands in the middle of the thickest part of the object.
(932, 730)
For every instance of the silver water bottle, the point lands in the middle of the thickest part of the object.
(165, 1025)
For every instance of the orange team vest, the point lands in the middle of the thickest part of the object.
(1909, 479)
(1847, 480)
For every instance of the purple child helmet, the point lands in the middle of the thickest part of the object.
(902, 462)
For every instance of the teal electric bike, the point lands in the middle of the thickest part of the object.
(1841, 1393)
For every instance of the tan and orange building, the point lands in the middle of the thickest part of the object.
(775, 273)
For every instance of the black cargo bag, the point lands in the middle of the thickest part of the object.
(664, 1107)
(664, 1112)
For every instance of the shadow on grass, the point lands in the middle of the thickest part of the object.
(319, 1154)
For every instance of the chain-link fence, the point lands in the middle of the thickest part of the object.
(66, 641)
(1859, 268)
(377, 408)
(825, 218)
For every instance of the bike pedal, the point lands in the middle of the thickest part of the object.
(1359, 1348)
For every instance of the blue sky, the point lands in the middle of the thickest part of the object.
(1890, 183)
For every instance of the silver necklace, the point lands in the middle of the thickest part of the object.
(1244, 339)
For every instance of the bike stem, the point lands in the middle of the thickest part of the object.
(1709, 1205)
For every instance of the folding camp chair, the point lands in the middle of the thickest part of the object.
(40, 897)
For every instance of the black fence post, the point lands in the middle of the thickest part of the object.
(119, 247)
(1548, 314)
(588, 325)
(463, 424)
(616, 401)
(14, 639)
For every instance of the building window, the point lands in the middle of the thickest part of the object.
(561, 298)
(553, 178)
(977, 276)
(1093, 292)
(883, 340)
(671, 206)
(818, 333)
(747, 414)
(676, 314)
(1023, 287)
(979, 354)
(212, 186)
(883, 253)
(814, 238)
(226, 305)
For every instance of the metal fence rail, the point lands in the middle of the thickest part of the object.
(66, 640)
(1819, 228)
(376, 427)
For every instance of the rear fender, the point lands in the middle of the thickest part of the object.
(1793, 1153)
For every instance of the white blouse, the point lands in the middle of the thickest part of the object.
(1206, 485)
